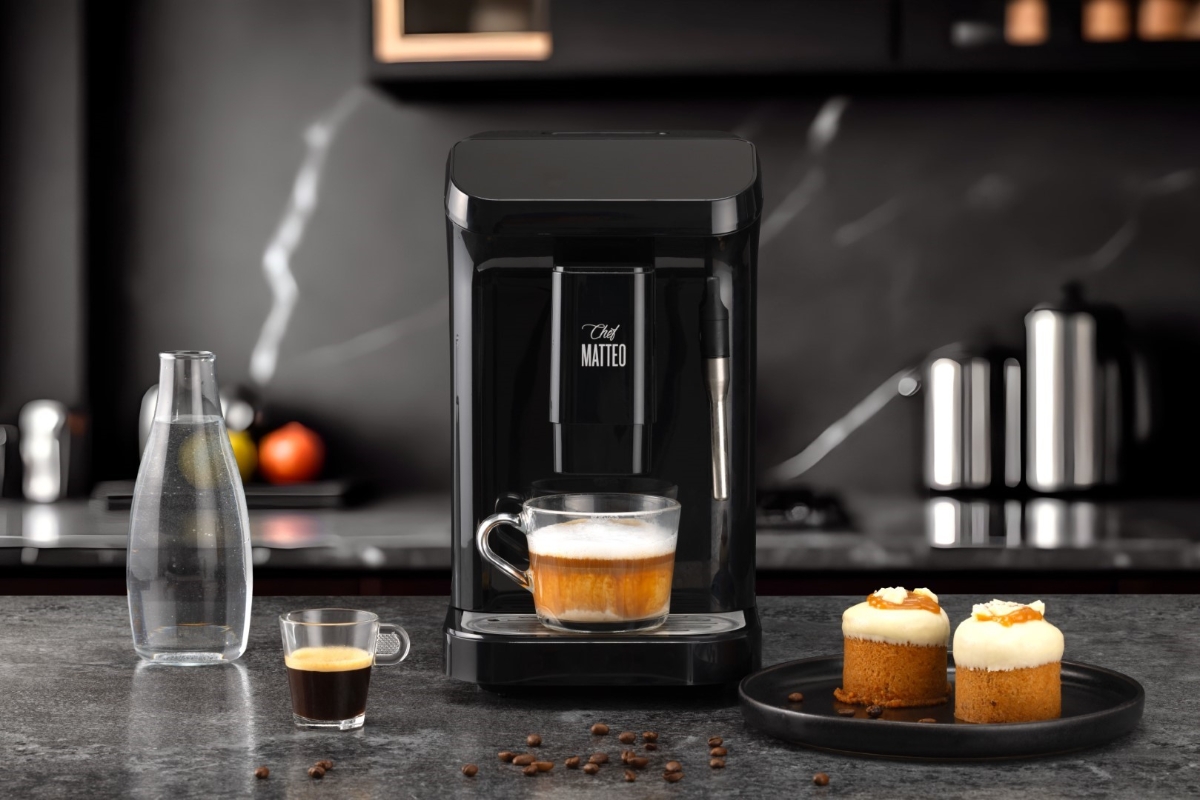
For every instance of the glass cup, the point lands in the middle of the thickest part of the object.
(598, 563)
(329, 653)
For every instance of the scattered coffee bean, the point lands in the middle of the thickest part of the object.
(796, 697)
(591, 769)
(262, 772)
(650, 736)
(470, 770)
(524, 760)
(673, 777)
(530, 770)
(715, 741)
(544, 766)
(651, 745)
(821, 779)
(874, 712)
(507, 757)
(326, 764)
(626, 755)
(316, 772)
(639, 762)
(598, 758)
(572, 762)
(533, 740)
(600, 729)
(627, 737)
(630, 776)
(717, 763)
(718, 751)
(674, 766)
(846, 712)
(928, 719)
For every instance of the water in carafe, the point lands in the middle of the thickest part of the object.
(189, 570)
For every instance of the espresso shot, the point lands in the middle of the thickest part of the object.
(329, 684)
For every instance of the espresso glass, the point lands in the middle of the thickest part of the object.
(329, 653)
(598, 563)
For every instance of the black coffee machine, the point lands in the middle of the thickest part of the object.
(650, 238)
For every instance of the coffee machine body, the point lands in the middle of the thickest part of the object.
(603, 340)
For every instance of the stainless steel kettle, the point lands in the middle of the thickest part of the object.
(1081, 376)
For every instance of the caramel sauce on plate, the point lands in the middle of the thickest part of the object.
(1023, 614)
(912, 602)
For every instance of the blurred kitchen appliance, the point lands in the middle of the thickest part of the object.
(10, 464)
(972, 420)
(602, 332)
(45, 450)
(1081, 377)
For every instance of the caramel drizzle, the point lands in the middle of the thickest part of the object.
(912, 602)
(1022, 614)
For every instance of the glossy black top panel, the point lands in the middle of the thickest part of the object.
(605, 183)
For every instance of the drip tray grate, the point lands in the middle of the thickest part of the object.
(676, 625)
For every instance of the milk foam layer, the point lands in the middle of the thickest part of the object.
(608, 539)
(980, 644)
(897, 625)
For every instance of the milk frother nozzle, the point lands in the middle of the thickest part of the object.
(714, 346)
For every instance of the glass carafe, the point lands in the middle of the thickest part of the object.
(189, 571)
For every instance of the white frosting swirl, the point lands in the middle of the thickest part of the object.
(986, 644)
(897, 625)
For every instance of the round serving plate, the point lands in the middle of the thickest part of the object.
(1098, 705)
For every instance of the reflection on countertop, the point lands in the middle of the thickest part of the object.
(888, 532)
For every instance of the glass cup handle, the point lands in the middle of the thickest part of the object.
(386, 628)
(481, 541)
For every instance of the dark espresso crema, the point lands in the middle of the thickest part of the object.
(329, 683)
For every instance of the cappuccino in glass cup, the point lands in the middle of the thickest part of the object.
(598, 563)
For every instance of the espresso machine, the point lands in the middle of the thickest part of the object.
(603, 340)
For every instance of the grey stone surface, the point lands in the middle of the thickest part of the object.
(79, 717)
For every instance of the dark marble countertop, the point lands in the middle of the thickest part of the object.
(886, 533)
(81, 717)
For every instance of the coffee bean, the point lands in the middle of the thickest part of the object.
(530, 770)
(846, 712)
(544, 766)
(316, 772)
(639, 762)
(598, 758)
(470, 770)
(326, 764)
(600, 729)
(262, 772)
(533, 740)
(524, 760)
(928, 719)
(650, 736)
(627, 737)
(717, 763)
(572, 762)
(630, 776)
(874, 712)
(716, 741)
(674, 766)
(591, 769)
(626, 755)
(821, 779)
(651, 746)
(796, 697)
(673, 777)
(507, 757)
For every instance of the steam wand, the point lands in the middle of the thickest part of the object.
(714, 347)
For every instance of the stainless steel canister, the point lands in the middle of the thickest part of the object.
(972, 420)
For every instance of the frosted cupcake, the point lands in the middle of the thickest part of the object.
(895, 650)
(1007, 664)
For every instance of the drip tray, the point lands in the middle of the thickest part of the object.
(527, 625)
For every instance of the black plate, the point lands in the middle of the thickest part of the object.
(1098, 706)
